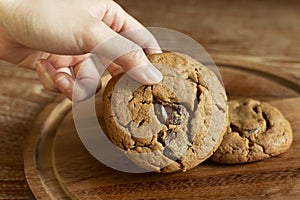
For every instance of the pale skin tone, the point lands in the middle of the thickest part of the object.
(52, 35)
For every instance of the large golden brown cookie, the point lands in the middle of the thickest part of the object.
(257, 131)
(171, 126)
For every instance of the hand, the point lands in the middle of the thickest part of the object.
(51, 36)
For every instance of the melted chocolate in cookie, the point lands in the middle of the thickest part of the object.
(166, 138)
(168, 113)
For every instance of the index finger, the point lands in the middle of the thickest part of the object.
(130, 28)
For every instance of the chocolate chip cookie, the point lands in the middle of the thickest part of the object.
(257, 131)
(170, 126)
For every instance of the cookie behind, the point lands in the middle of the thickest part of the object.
(257, 131)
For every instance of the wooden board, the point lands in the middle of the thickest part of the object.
(268, 31)
(57, 165)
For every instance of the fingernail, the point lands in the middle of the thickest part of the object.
(145, 74)
(62, 83)
(64, 70)
(153, 75)
(153, 51)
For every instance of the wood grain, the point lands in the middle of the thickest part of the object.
(61, 164)
(266, 32)
(21, 99)
(257, 28)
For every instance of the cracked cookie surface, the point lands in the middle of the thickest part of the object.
(257, 131)
(170, 126)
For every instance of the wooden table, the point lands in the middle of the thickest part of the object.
(244, 31)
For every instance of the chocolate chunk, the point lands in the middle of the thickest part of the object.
(169, 138)
(168, 113)
(169, 110)
(166, 138)
(160, 112)
(174, 120)
(179, 110)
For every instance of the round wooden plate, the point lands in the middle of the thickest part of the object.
(57, 165)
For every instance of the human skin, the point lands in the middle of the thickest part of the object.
(52, 35)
